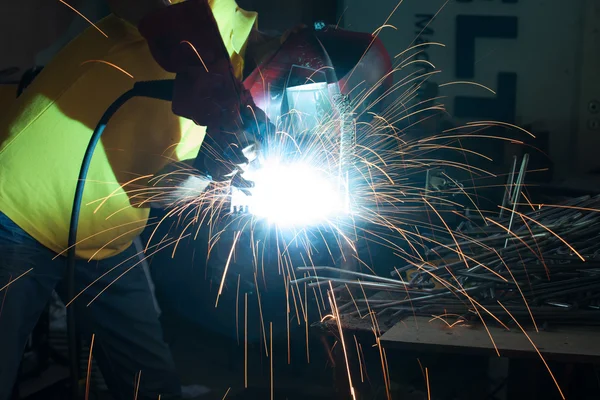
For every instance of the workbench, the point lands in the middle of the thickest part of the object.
(564, 343)
(517, 373)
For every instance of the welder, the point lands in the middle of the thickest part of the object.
(204, 46)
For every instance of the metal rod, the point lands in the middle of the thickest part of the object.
(517, 194)
(507, 191)
(346, 272)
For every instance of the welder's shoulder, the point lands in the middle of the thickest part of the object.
(86, 77)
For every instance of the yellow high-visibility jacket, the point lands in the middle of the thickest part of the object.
(44, 134)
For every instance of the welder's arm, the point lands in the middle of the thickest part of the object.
(178, 184)
(184, 38)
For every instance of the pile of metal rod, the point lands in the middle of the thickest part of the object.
(541, 263)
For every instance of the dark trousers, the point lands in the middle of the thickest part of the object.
(128, 335)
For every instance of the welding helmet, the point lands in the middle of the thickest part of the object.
(300, 82)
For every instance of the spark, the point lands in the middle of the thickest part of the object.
(16, 279)
(142, 221)
(114, 192)
(137, 385)
(271, 356)
(111, 270)
(441, 146)
(333, 304)
(536, 349)
(520, 291)
(420, 45)
(306, 323)
(511, 233)
(429, 22)
(84, 17)
(246, 340)
(539, 254)
(468, 83)
(235, 239)
(376, 31)
(549, 230)
(362, 379)
(450, 325)
(340, 19)
(373, 40)
(89, 369)
(4, 296)
(195, 51)
(226, 393)
(467, 136)
(287, 318)
(386, 370)
(421, 367)
(460, 253)
(498, 123)
(262, 322)
(541, 205)
(108, 63)
(237, 311)
(427, 380)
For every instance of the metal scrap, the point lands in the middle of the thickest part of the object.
(530, 262)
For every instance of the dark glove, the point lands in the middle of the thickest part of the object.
(184, 38)
(225, 155)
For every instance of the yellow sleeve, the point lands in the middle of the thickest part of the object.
(44, 134)
(235, 26)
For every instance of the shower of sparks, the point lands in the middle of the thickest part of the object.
(310, 206)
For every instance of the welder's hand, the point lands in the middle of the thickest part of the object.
(184, 38)
(226, 155)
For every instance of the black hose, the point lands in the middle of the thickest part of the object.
(154, 89)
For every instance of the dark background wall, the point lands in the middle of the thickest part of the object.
(280, 15)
